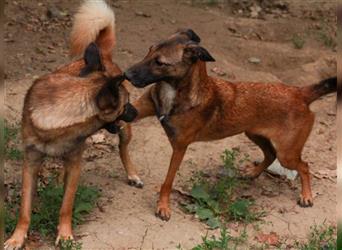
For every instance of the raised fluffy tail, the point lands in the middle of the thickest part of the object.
(93, 22)
(315, 91)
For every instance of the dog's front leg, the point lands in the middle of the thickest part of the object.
(163, 210)
(32, 163)
(145, 107)
(72, 164)
(125, 136)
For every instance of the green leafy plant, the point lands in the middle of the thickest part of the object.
(320, 237)
(224, 242)
(213, 200)
(70, 245)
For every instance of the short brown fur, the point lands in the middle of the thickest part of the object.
(274, 116)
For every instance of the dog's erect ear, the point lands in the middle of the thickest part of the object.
(197, 52)
(115, 82)
(109, 93)
(92, 59)
(191, 34)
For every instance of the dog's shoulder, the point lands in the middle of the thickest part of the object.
(60, 100)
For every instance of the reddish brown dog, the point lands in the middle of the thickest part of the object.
(193, 106)
(64, 107)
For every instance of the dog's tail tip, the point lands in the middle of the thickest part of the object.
(93, 22)
(324, 87)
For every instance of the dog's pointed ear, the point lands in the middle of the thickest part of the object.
(197, 52)
(92, 60)
(109, 93)
(115, 82)
(191, 34)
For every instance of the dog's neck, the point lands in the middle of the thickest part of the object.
(185, 93)
(193, 88)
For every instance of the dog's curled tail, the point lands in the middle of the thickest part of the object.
(315, 91)
(93, 22)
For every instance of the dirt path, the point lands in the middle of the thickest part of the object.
(126, 220)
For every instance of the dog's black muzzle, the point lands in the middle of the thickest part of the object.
(129, 114)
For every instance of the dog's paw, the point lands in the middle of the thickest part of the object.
(61, 238)
(64, 233)
(305, 201)
(15, 242)
(250, 171)
(135, 181)
(163, 212)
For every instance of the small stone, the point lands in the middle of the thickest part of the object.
(53, 12)
(254, 60)
(98, 138)
(140, 13)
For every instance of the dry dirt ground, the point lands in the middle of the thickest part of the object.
(37, 44)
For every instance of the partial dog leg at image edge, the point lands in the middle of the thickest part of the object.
(31, 165)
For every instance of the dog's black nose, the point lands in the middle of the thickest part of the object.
(127, 75)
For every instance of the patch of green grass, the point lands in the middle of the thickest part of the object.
(214, 200)
(224, 242)
(11, 139)
(45, 214)
(298, 41)
(339, 235)
(320, 237)
(70, 245)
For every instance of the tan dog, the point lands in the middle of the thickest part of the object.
(63, 108)
(193, 106)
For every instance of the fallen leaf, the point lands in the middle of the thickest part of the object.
(271, 239)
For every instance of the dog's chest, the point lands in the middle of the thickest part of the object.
(164, 97)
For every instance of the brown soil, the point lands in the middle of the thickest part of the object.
(37, 44)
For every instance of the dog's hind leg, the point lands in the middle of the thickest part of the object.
(32, 163)
(72, 165)
(254, 170)
(289, 145)
(145, 108)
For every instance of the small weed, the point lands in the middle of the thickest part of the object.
(321, 237)
(45, 214)
(11, 139)
(324, 35)
(213, 199)
(224, 242)
(70, 245)
(207, 2)
(327, 40)
(298, 41)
